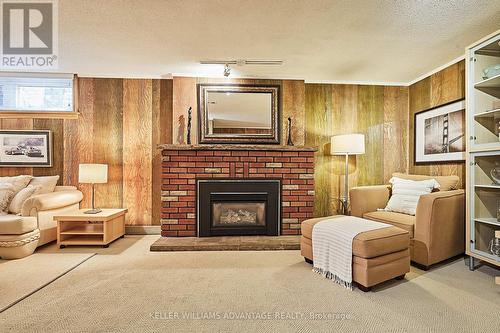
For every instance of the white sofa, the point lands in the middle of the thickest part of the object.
(21, 234)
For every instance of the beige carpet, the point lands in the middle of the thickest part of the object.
(19, 278)
(126, 288)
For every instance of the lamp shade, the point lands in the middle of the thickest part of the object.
(350, 144)
(93, 173)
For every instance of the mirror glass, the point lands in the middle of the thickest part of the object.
(238, 114)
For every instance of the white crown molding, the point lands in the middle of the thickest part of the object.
(435, 70)
(368, 83)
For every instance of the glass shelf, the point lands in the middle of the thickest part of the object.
(484, 234)
(489, 114)
(490, 86)
(488, 220)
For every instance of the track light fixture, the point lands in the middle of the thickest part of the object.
(240, 62)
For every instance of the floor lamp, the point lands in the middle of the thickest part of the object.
(347, 144)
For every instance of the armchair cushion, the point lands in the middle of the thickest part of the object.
(51, 201)
(46, 184)
(18, 182)
(406, 192)
(403, 221)
(6, 195)
(16, 225)
(17, 202)
(366, 199)
(446, 183)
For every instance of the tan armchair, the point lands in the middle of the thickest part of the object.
(437, 229)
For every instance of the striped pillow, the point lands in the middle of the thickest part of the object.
(405, 194)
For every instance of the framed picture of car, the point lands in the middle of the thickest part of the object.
(30, 148)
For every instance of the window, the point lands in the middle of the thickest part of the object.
(36, 93)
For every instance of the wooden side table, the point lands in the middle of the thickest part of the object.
(90, 229)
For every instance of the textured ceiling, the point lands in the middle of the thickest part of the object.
(319, 41)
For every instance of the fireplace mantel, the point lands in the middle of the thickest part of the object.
(236, 147)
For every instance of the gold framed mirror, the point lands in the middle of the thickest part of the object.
(241, 114)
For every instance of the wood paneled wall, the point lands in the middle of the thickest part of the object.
(185, 96)
(379, 112)
(439, 88)
(121, 121)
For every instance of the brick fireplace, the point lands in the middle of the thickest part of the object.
(183, 166)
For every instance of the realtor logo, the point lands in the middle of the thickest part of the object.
(29, 34)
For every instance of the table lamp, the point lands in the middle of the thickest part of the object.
(347, 144)
(93, 174)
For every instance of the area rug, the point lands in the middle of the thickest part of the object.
(22, 277)
(135, 290)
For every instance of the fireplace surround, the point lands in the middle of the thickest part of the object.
(184, 165)
(238, 207)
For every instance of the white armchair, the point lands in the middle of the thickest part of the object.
(21, 234)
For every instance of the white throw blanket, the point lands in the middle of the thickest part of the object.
(332, 246)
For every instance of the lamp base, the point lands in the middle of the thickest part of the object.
(93, 211)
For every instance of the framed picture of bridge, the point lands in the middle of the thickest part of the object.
(440, 133)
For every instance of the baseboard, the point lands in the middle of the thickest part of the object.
(143, 230)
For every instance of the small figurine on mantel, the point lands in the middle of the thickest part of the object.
(289, 142)
(188, 140)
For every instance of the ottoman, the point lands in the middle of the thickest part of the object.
(378, 255)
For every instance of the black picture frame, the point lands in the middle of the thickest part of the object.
(22, 154)
(439, 158)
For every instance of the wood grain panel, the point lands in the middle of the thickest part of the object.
(161, 133)
(108, 140)
(439, 88)
(79, 139)
(184, 96)
(345, 121)
(395, 131)
(57, 128)
(370, 123)
(318, 106)
(16, 124)
(137, 154)
(293, 93)
(381, 113)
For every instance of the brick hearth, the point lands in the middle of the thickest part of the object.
(182, 165)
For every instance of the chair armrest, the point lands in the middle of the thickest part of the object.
(365, 199)
(61, 188)
(49, 201)
(440, 224)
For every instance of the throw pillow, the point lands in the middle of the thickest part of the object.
(17, 202)
(405, 194)
(17, 182)
(6, 194)
(46, 184)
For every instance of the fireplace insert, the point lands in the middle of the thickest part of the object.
(235, 207)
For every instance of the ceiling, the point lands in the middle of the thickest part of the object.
(319, 41)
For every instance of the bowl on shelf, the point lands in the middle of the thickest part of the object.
(495, 175)
(495, 246)
(491, 71)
